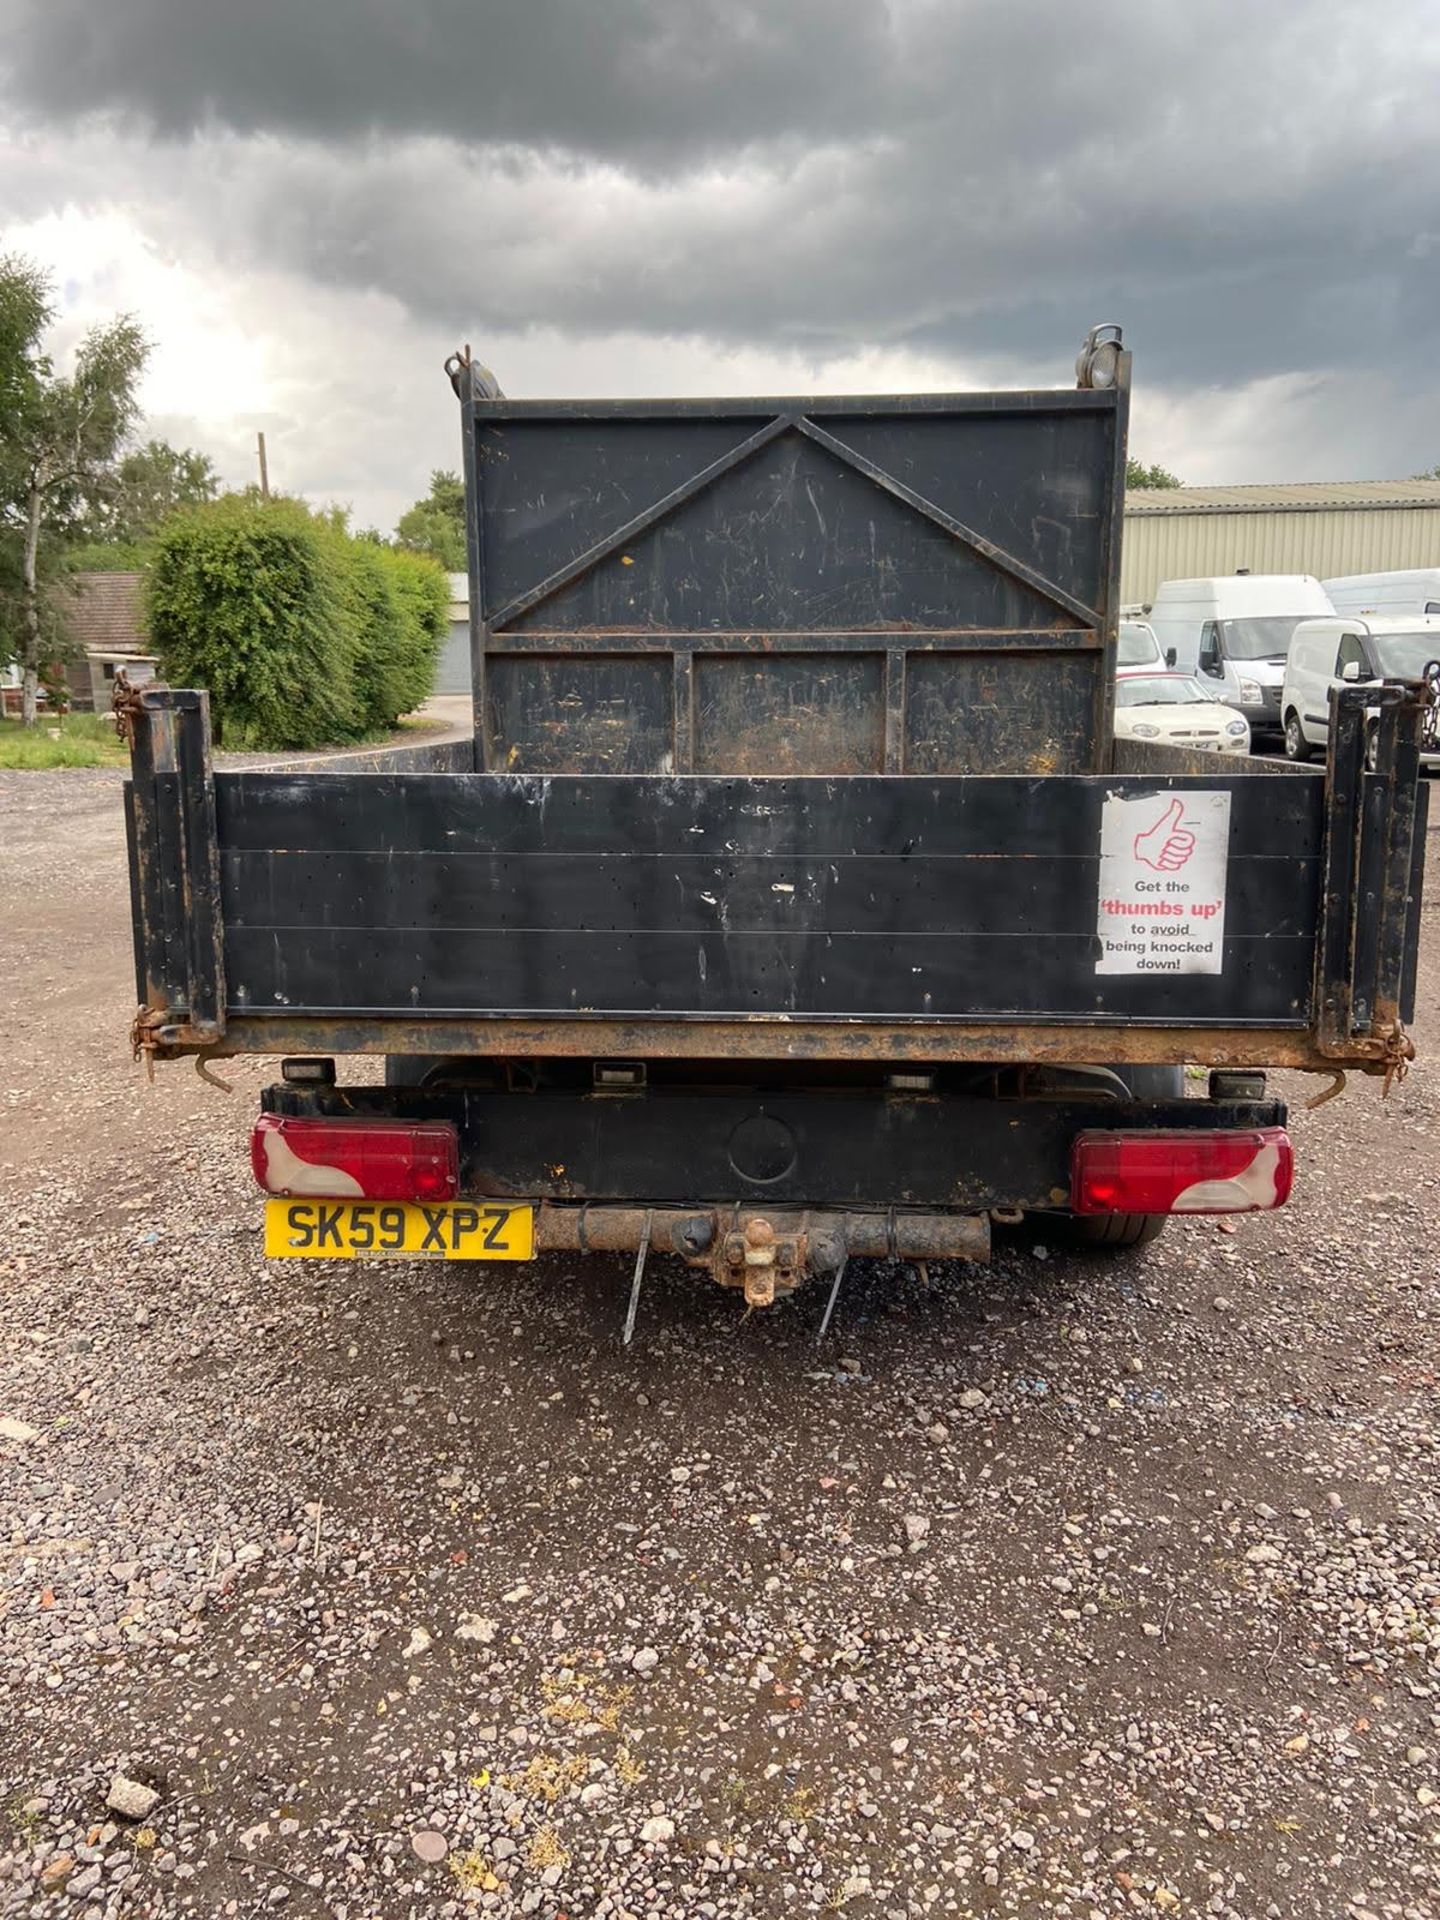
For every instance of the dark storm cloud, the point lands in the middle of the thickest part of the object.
(1251, 189)
(628, 79)
(885, 244)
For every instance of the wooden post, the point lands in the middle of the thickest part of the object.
(264, 470)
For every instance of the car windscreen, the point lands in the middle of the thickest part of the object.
(1267, 639)
(1143, 690)
(1405, 656)
(1138, 645)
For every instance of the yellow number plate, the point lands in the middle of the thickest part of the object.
(390, 1230)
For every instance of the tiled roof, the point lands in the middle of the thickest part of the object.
(103, 613)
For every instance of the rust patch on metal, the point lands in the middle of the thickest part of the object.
(1399, 1048)
(765, 1255)
(1332, 1092)
(125, 708)
(930, 1043)
(144, 1042)
(766, 1264)
(792, 713)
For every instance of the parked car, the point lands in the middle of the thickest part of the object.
(1341, 652)
(1175, 707)
(1234, 632)
(1139, 650)
(1412, 590)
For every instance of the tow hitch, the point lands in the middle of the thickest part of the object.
(766, 1255)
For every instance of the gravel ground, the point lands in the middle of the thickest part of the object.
(1062, 1587)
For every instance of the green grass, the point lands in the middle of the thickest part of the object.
(79, 740)
(89, 740)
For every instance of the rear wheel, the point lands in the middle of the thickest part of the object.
(1107, 1232)
(1297, 747)
(413, 1069)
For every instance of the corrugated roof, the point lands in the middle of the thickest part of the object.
(104, 612)
(1313, 496)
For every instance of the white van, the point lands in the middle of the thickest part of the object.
(1411, 591)
(1138, 650)
(1233, 631)
(1342, 651)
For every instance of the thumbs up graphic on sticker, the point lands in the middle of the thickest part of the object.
(1169, 843)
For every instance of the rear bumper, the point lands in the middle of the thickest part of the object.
(841, 1149)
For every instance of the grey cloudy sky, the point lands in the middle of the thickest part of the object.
(310, 201)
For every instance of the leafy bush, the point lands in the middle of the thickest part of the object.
(381, 679)
(401, 604)
(304, 636)
(424, 593)
(251, 600)
(108, 556)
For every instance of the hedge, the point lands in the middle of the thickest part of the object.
(303, 636)
(380, 679)
(402, 604)
(423, 589)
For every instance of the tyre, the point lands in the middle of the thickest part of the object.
(1297, 747)
(1153, 1083)
(434, 1069)
(1107, 1230)
(411, 1069)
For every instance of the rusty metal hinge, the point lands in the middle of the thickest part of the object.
(143, 1041)
(125, 708)
(1399, 1051)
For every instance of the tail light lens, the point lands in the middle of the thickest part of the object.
(1238, 1171)
(356, 1159)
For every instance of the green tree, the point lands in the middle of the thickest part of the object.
(1137, 475)
(436, 524)
(1430, 473)
(26, 309)
(64, 432)
(132, 501)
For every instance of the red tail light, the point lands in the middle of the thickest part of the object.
(357, 1159)
(1239, 1171)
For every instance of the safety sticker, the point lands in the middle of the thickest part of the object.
(1163, 862)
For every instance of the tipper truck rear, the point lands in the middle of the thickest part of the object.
(793, 901)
